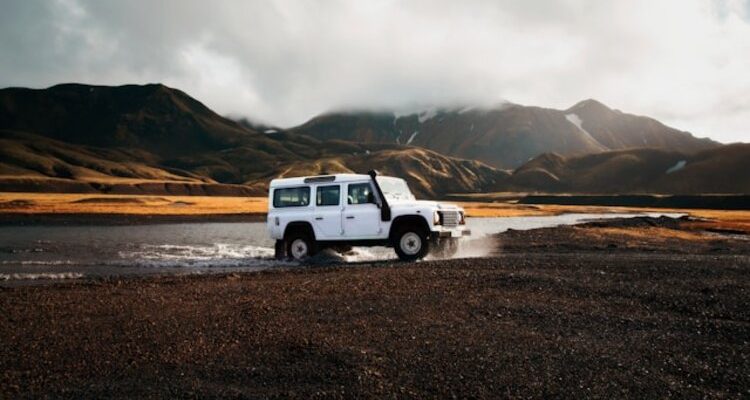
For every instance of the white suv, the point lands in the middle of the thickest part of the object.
(307, 214)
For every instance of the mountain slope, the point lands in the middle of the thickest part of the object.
(149, 117)
(136, 139)
(29, 155)
(35, 163)
(508, 135)
(618, 130)
(724, 169)
(429, 174)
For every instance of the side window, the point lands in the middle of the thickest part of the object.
(291, 197)
(328, 195)
(360, 193)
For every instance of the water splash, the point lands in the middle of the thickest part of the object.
(212, 255)
(43, 275)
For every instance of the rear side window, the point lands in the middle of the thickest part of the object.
(291, 197)
(360, 193)
(328, 195)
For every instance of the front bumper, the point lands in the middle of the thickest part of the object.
(456, 233)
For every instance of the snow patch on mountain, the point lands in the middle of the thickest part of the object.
(400, 114)
(678, 166)
(576, 120)
(413, 135)
(422, 115)
(426, 115)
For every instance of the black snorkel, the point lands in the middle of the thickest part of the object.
(385, 209)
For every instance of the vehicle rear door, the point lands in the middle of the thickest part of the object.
(327, 217)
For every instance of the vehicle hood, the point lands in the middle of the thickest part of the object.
(422, 204)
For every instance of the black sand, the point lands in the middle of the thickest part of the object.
(547, 324)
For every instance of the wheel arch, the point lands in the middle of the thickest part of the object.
(408, 220)
(297, 226)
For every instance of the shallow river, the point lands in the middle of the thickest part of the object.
(69, 252)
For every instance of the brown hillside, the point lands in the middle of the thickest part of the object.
(154, 118)
(724, 169)
(428, 173)
(618, 130)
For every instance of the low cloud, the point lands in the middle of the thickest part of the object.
(682, 61)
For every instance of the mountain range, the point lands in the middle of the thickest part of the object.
(507, 135)
(156, 139)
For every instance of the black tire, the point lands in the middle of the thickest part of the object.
(417, 250)
(446, 248)
(296, 241)
(279, 250)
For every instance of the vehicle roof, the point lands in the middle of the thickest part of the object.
(337, 178)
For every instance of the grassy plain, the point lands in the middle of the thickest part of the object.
(195, 206)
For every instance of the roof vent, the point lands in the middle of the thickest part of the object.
(322, 178)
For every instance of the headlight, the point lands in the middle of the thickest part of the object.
(436, 218)
(461, 218)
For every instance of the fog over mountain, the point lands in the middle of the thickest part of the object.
(683, 62)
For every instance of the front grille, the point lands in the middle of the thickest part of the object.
(450, 218)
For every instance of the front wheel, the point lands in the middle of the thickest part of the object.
(300, 247)
(411, 244)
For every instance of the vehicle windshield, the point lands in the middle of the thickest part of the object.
(394, 188)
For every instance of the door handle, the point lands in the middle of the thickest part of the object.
(318, 218)
(349, 217)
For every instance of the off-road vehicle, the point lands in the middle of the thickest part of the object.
(307, 214)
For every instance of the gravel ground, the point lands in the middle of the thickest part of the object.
(573, 324)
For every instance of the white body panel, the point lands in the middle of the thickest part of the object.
(362, 221)
(327, 222)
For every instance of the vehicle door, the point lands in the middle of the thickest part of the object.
(361, 212)
(327, 218)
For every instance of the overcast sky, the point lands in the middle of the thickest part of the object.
(685, 62)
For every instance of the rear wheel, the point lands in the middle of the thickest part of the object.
(279, 250)
(411, 244)
(300, 246)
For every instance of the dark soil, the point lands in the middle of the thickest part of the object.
(695, 201)
(558, 323)
(657, 235)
